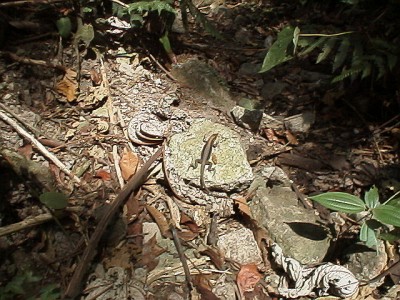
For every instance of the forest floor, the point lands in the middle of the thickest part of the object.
(65, 126)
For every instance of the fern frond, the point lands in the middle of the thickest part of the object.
(385, 45)
(367, 69)
(200, 18)
(346, 73)
(158, 5)
(391, 60)
(341, 54)
(326, 50)
(379, 63)
(312, 46)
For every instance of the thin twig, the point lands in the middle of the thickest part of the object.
(30, 127)
(75, 285)
(23, 2)
(38, 146)
(35, 62)
(123, 126)
(111, 115)
(182, 257)
(163, 69)
(32, 221)
(120, 3)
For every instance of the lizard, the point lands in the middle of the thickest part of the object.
(205, 159)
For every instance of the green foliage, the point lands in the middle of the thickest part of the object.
(379, 216)
(279, 51)
(54, 200)
(342, 202)
(64, 27)
(22, 285)
(353, 54)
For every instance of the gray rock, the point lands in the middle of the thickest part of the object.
(241, 246)
(247, 118)
(300, 122)
(231, 169)
(366, 263)
(205, 81)
(295, 229)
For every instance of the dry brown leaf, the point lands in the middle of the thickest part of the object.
(203, 286)
(161, 221)
(68, 86)
(96, 77)
(291, 138)
(128, 164)
(26, 150)
(190, 223)
(243, 206)
(247, 278)
(216, 257)
(103, 175)
(187, 235)
(175, 213)
(274, 136)
(150, 253)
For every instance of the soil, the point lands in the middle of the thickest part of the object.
(352, 145)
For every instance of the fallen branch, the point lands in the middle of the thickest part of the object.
(35, 62)
(38, 146)
(32, 222)
(23, 2)
(75, 285)
(113, 121)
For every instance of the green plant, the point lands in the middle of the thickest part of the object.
(22, 285)
(352, 53)
(378, 216)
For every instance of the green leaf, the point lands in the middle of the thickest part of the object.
(368, 235)
(342, 202)
(157, 5)
(341, 54)
(315, 44)
(164, 40)
(391, 236)
(387, 214)
(277, 54)
(371, 197)
(366, 70)
(326, 49)
(347, 73)
(394, 202)
(64, 27)
(85, 34)
(54, 200)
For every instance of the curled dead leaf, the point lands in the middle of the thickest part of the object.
(103, 175)
(161, 221)
(247, 278)
(128, 164)
(68, 85)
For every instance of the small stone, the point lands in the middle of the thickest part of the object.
(246, 118)
(301, 122)
(240, 246)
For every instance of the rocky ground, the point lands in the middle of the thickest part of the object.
(282, 136)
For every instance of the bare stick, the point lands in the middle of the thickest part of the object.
(38, 146)
(75, 285)
(32, 222)
(182, 257)
(23, 2)
(111, 115)
(36, 62)
(162, 68)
